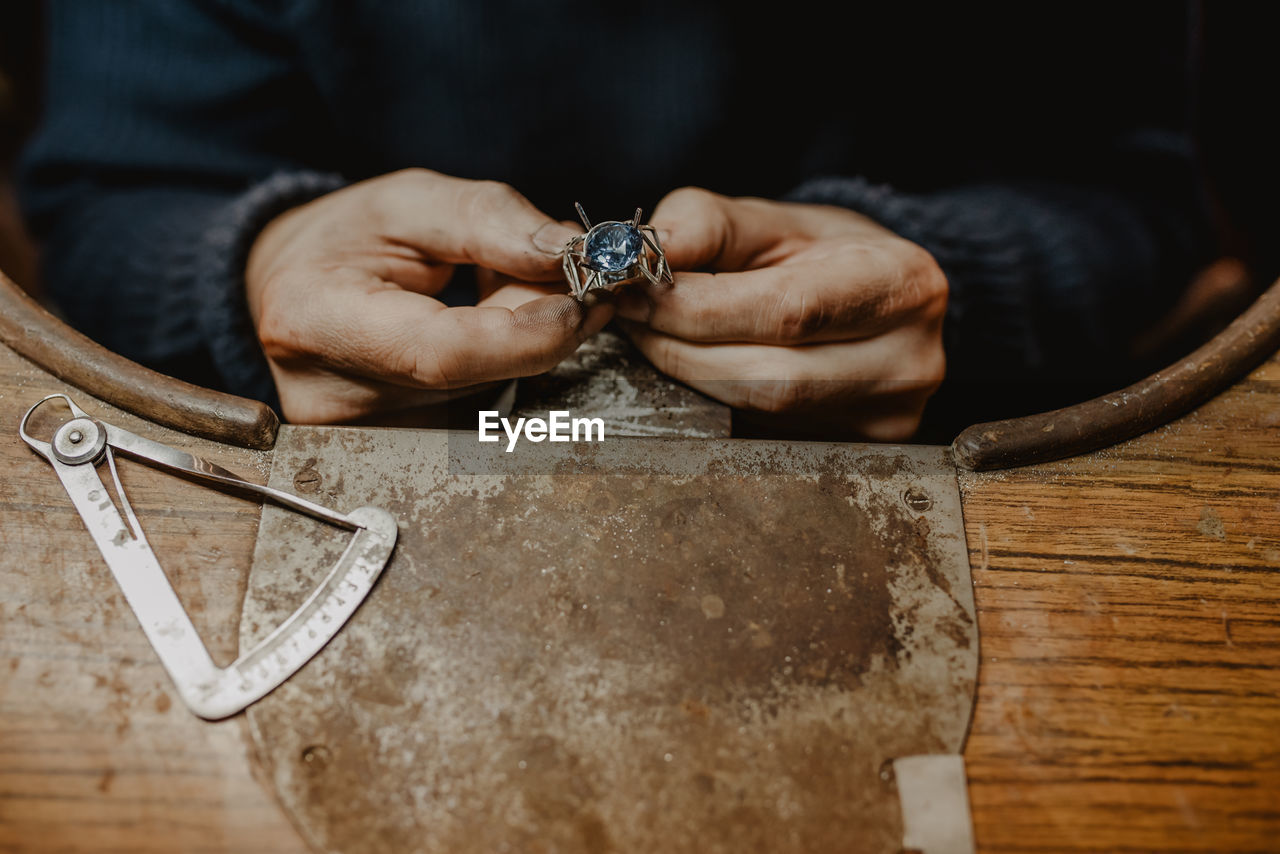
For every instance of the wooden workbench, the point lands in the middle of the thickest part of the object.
(1128, 601)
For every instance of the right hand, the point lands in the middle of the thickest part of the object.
(340, 291)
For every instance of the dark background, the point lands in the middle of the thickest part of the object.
(19, 97)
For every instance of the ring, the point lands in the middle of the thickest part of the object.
(614, 253)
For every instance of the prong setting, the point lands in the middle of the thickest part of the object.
(614, 253)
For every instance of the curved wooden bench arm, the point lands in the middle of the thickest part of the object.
(1145, 405)
(40, 337)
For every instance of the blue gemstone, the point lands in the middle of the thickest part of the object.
(612, 247)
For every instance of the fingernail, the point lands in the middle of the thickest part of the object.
(552, 237)
(633, 306)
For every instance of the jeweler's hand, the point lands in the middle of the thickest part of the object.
(812, 315)
(340, 291)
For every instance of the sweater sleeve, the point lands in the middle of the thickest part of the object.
(151, 175)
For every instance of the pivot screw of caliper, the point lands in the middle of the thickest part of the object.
(917, 500)
(80, 440)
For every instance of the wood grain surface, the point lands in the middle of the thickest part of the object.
(97, 753)
(1129, 616)
(1128, 603)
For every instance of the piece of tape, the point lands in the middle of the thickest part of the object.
(935, 804)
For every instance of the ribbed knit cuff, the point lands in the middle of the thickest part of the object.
(223, 253)
(984, 254)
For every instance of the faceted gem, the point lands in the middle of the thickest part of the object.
(613, 246)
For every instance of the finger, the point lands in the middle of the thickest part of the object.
(401, 337)
(857, 295)
(849, 387)
(701, 230)
(905, 364)
(409, 268)
(512, 295)
(482, 343)
(488, 281)
(311, 396)
(485, 223)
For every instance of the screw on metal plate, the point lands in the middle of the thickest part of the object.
(917, 499)
(208, 690)
(316, 757)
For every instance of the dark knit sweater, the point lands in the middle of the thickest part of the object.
(1040, 153)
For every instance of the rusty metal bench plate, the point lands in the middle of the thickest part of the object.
(639, 645)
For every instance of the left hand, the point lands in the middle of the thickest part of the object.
(809, 313)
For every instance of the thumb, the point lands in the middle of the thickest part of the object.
(702, 230)
(485, 223)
